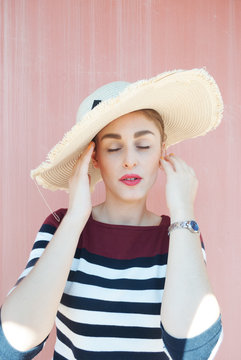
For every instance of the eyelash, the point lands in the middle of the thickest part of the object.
(139, 147)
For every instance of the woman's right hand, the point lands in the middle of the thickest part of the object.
(23, 326)
(79, 186)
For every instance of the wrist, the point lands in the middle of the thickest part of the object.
(76, 217)
(181, 214)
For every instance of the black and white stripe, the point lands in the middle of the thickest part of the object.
(110, 308)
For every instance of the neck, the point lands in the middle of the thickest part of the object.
(121, 212)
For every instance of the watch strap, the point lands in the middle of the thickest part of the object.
(191, 225)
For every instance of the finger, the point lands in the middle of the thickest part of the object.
(169, 160)
(89, 150)
(177, 162)
(180, 164)
(84, 158)
(167, 166)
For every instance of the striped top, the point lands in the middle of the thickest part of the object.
(111, 305)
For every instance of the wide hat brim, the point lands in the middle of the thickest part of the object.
(189, 102)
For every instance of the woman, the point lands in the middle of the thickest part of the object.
(104, 270)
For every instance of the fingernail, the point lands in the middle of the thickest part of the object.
(171, 154)
(90, 145)
(162, 158)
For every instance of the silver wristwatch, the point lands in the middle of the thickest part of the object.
(191, 225)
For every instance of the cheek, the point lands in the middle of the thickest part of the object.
(154, 170)
(153, 159)
(153, 174)
(107, 165)
(154, 166)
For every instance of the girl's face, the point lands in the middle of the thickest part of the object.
(129, 147)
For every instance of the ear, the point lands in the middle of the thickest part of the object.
(94, 159)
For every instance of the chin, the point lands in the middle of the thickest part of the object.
(132, 194)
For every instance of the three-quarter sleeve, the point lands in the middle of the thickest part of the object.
(7, 352)
(201, 347)
(43, 237)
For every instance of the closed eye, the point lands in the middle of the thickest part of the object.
(110, 150)
(139, 147)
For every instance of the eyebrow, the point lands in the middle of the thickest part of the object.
(118, 136)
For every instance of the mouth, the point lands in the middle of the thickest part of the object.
(130, 179)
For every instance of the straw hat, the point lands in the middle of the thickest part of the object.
(189, 102)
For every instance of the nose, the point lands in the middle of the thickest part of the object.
(129, 162)
(129, 165)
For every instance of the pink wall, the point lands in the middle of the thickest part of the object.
(53, 53)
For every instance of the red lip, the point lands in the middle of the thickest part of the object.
(128, 176)
(136, 179)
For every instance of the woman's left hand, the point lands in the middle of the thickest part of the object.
(181, 185)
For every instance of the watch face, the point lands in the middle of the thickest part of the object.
(194, 225)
